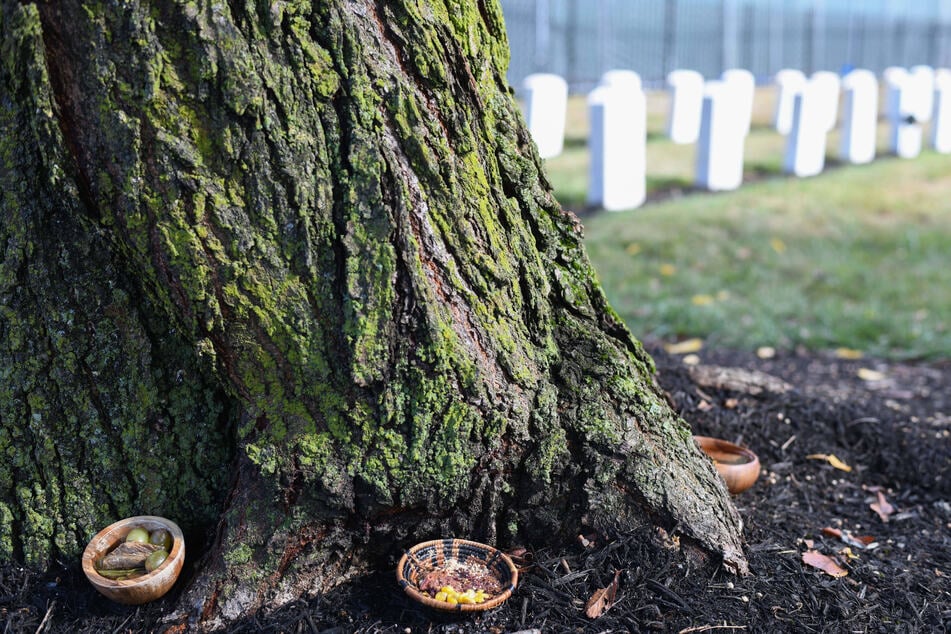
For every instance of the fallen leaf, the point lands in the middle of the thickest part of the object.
(870, 375)
(685, 346)
(838, 464)
(848, 554)
(831, 459)
(824, 563)
(766, 352)
(603, 598)
(702, 300)
(859, 541)
(882, 507)
(691, 359)
(849, 353)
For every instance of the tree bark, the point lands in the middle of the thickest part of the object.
(290, 273)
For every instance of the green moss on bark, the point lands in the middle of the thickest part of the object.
(318, 231)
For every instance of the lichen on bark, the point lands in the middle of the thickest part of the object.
(312, 245)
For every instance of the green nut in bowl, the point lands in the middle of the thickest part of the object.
(153, 575)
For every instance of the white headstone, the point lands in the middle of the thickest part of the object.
(789, 82)
(617, 142)
(859, 116)
(905, 130)
(546, 105)
(743, 84)
(806, 142)
(941, 118)
(828, 86)
(686, 100)
(923, 78)
(620, 78)
(722, 135)
(892, 76)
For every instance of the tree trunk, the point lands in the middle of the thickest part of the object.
(290, 274)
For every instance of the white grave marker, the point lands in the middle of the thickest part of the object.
(806, 142)
(905, 135)
(743, 85)
(923, 78)
(619, 78)
(828, 86)
(859, 117)
(720, 144)
(546, 104)
(789, 82)
(686, 100)
(941, 118)
(617, 142)
(892, 76)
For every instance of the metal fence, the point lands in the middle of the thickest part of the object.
(580, 39)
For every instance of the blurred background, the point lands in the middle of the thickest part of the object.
(581, 39)
(855, 261)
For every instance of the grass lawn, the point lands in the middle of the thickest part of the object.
(858, 257)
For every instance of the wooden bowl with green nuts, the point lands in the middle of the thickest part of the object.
(135, 560)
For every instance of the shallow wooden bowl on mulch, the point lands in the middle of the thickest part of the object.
(738, 466)
(147, 587)
(460, 558)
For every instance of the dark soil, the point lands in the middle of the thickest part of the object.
(893, 429)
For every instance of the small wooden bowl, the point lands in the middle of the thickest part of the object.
(142, 589)
(426, 556)
(738, 466)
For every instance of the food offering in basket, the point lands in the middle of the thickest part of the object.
(457, 575)
(135, 560)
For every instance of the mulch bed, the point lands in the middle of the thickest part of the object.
(889, 422)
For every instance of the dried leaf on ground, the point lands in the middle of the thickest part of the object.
(824, 563)
(685, 346)
(849, 353)
(831, 459)
(588, 541)
(859, 541)
(882, 507)
(870, 375)
(603, 598)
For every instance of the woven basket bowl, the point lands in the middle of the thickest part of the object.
(142, 589)
(424, 557)
(738, 466)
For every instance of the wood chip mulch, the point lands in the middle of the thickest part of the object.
(890, 423)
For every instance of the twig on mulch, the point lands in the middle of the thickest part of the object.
(707, 628)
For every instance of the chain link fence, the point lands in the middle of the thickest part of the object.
(580, 39)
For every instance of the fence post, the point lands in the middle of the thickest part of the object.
(776, 22)
(728, 34)
(669, 59)
(817, 28)
(542, 35)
